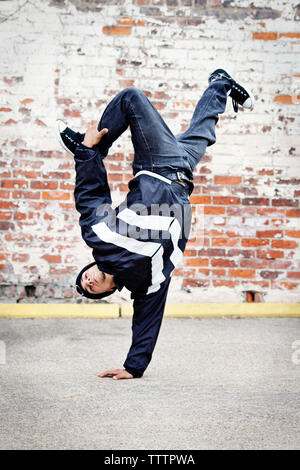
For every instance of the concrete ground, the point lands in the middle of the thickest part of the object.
(212, 384)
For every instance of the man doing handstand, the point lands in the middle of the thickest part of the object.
(139, 243)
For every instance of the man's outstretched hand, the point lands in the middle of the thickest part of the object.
(92, 136)
(116, 374)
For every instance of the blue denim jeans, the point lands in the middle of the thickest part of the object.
(155, 146)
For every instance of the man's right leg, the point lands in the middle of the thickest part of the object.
(151, 137)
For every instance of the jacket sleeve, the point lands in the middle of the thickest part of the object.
(147, 317)
(91, 188)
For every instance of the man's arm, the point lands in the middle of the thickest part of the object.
(91, 188)
(146, 322)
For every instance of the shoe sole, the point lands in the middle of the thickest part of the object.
(61, 141)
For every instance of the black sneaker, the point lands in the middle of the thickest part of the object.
(68, 139)
(239, 95)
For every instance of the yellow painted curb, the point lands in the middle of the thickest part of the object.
(59, 310)
(207, 310)
(214, 310)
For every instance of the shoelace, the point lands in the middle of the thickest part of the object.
(235, 105)
(237, 93)
(71, 140)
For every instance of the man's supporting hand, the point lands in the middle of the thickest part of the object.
(116, 374)
(92, 136)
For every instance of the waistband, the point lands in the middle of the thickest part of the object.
(176, 175)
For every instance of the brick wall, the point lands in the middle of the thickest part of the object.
(66, 59)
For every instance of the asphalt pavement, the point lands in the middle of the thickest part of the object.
(212, 384)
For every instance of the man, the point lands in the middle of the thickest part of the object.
(138, 244)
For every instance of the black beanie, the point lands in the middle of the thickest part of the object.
(84, 292)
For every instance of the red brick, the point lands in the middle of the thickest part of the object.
(266, 172)
(8, 205)
(268, 233)
(184, 272)
(287, 99)
(293, 213)
(225, 263)
(26, 174)
(209, 189)
(254, 242)
(66, 186)
(5, 174)
(67, 206)
(40, 123)
(116, 177)
(289, 181)
(289, 244)
(219, 272)
(227, 179)
(270, 211)
(195, 283)
(264, 35)
(245, 273)
(20, 257)
(6, 226)
(285, 202)
(72, 113)
(284, 285)
(190, 253)
(293, 274)
(253, 263)
(226, 200)
(224, 242)
(5, 215)
(62, 271)
(224, 283)
(289, 35)
(211, 252)
(129, 21)
(43, 185)
(52, 258)
(161, 95)
(116, 30)
(214, 210)
(255, 201)
(245, 190)
(236, 211)
(25, 195)
(200, 199)
(11, 184)
(65, 175)
(38, 206)
(278, 264)
(55, 195)
(196, 262)
(213, 233)
(270, 254)
(19, 216)
(205, 272)
(261, 284)
(271, 275)
(293, 233)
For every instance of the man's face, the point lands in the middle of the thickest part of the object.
(95, 281)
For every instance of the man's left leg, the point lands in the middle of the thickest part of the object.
(201, 132)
